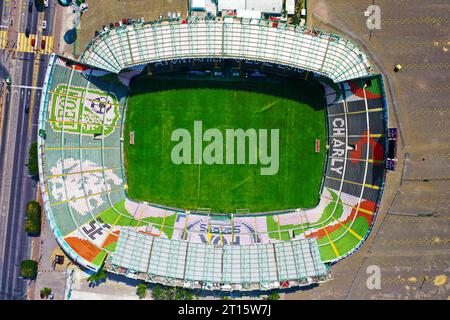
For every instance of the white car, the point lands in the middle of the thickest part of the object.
(46, 3)
(44, 25)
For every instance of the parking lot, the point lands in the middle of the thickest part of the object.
(102, 12)
(410, 242)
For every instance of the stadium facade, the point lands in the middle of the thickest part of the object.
(83, 181)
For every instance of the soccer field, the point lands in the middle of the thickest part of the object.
(157, 107)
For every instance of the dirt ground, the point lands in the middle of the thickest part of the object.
(102, 12)
(410, 241)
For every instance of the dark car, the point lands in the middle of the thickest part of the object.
(27, 108)
(43, 44)
(129, 21)
(111, 26)
(30, 6)
(124, 21)
(27, 32)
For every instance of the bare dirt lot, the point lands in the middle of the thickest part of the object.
(102, 12)
(410, 242)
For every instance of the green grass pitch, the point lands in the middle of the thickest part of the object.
(156, 107)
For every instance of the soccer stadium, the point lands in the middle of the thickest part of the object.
(114, 200)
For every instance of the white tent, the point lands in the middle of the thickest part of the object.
(290, 6)
(198, 5)
(266, 6)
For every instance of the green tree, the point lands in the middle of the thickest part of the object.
(273, 296)
(33, 167)
(183, 294)
(28, 269)
(97, 277)
(141, 290)
(39, 3)
(160, 292)
(33, 217)
(45, 292)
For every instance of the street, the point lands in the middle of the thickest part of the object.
(18, 130)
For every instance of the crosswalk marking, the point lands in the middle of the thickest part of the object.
(24, 44)
(49, 43)
(3, 39)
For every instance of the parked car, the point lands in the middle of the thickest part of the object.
(111, 26)
(46, 3)
(33, 42)
(30, 6)
(27, 108)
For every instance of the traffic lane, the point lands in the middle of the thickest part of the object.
(16, 240)
(32, 19)
(9, 281)
(1, 10)
(49, 15)
(37, 97)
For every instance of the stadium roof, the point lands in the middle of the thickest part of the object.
(252, 39)
(262, 264)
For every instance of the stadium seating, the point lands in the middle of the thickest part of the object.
(84, 186)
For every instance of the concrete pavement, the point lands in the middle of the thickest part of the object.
(17, 132)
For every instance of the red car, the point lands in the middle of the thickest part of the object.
(43, 44)
(33, 42)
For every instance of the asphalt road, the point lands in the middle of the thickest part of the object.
(19, 129)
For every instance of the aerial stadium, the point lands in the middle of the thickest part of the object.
(114, 200)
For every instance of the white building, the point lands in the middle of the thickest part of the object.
(290, 6)
(263, 6)
(198, 5)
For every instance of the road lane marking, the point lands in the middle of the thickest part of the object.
(3, 39)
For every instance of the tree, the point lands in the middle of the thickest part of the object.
(33, 166)
(98, 277)
(183, 294)
(33, 217)
(39, 3)
(45, 292)
(141, 290)
(273, 296)
(28, 269)
(160, 292)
